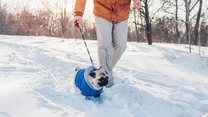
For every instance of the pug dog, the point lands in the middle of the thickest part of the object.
(90, 81)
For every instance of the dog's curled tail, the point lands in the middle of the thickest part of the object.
(77, 68)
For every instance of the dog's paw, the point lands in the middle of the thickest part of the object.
(77, 68)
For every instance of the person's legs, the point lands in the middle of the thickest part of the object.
(104, 38)
(120, 34)
(109, 37)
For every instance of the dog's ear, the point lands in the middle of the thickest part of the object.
(92, 74)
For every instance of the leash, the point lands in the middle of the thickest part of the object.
(77, 25)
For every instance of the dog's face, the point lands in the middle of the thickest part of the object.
(98, 78)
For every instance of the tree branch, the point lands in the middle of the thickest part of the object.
(194, 6)
(156, 12)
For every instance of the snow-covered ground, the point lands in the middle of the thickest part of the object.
(162, 80)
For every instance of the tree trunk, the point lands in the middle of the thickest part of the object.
(64, 20)
(136, 29)
(188, 34)
(176, 23)
(196, 28)
(148, 23)
(0, 17)
(143, 36)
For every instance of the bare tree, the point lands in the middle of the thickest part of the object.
(196, 28)
(204, 32)
(168, 4)
(64, 19)
(148, 19)
(148, 23)
(48, 21)
(5, 19)
(1, 16)
(25, 23)
(56, 22)
(61, 7)
(136, 25)
(176, 23)
(187, 7)
(188, 10)
(145, 13)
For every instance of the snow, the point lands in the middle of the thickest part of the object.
(162, 80)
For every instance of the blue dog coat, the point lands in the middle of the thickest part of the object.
(82, 82)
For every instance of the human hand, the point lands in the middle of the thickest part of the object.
(137, 4)
(77, 21)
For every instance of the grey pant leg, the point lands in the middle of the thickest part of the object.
(120, 34)
(111, 42)
(104, 38)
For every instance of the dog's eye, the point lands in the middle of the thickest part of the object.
(106, 72)
(92, 74)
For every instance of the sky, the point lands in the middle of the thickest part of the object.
(159, 80)
(36, 4)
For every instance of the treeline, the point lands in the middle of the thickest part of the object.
(172, 21)
(163, 31)
(44, 22)
(143, 26)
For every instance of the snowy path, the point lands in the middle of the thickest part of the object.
(162, 80)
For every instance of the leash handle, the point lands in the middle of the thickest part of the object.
(77, 25)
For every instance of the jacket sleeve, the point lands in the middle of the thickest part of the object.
(79, 7)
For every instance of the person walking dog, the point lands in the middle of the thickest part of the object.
(111, 22)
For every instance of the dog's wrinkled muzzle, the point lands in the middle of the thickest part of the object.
(103, 81)
(103, 78)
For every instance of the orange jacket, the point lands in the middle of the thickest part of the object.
(112, 10)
